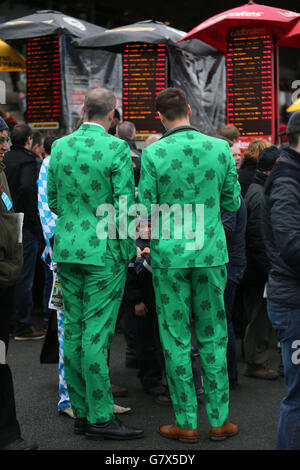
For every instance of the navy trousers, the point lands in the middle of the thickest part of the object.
(286, 323)
(21, 319)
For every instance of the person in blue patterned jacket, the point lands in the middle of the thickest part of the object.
(48, 222)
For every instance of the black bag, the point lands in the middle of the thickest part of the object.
(49, 353)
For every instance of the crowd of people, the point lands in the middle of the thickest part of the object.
(238, 276)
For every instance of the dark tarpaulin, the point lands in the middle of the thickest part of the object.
(149, 31)
(83, 69)
(46, 22)
(203, 79)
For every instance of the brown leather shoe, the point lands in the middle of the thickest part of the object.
(118, 391)
(263, 373)
(171, 431)
(220, 433)
(30, 334)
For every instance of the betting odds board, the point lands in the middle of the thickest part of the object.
(144, 77)
(43, 82)
(250, 85)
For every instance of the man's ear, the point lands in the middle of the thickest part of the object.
(110, 115)
(189, 111)
(29, 141)
(161, 117)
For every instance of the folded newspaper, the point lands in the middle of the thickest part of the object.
(55, 302)
(265, 292)
(19, 218)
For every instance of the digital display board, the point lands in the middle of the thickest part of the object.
(43, 81)
(144, 76)
(250, 85)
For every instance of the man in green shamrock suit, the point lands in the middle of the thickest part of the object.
(90, 172)
(186, 178)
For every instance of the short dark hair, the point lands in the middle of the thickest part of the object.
(172, 103)
(294, 139)
(222, 137)
(48, 143)
(230, 132)
(37, 138)
(20, 134)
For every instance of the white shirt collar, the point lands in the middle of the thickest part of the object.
(94, 124)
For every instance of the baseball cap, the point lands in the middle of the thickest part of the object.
(293, 126)
(268, 158)
(282, 129)
(3, 125)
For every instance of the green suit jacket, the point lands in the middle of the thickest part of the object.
(196, 175)
(88, 169)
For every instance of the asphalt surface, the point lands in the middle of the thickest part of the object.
(254, 406)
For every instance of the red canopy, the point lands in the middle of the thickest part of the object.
(214, 30)
(292, 38)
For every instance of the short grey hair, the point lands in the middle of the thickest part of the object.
(98, 102)
(126, 130)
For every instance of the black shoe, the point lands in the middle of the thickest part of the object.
(156, 391)
(80, 425)
(131, 363)
(164, 400)
(20, 444)
(113, 429)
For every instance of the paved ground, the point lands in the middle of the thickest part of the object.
(254, 406)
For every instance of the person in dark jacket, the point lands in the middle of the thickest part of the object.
(259, 330)
(114, 123)
(10, 267)
(126, 131)
(281, 231)
(248, 166)
(22, 173)
(234, 224)
(140, 294)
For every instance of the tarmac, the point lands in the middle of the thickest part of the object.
(254, 406)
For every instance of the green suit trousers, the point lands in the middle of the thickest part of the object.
(91, 296)
(178, 290)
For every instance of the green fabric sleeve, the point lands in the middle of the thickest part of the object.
(124, 199)
(230, 195)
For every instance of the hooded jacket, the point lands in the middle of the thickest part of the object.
(281, 231)
(246, 174)
(21, 170)
(11, 256)
(257, 260)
